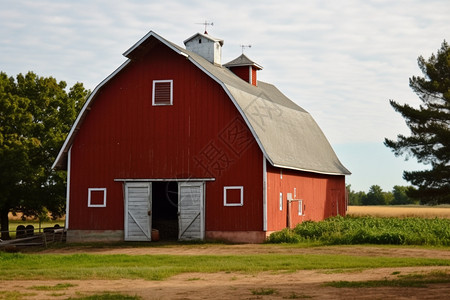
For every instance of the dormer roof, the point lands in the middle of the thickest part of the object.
(241, 61)
(206, 36)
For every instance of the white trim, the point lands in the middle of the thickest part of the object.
(222, 84)
(250, 74)
(226, 188)
(69, 161)
(264, 194)
(309, 170)
(300, 207)
(151, 33)
(96, 190)
(83, 112)
(164, 179)
(154, 89)
(161, 39)
(281, 201)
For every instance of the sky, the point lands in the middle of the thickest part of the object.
(340, 60)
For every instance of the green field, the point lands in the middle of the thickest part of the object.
(157, 267)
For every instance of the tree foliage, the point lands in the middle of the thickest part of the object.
(430, 129)
(401, 197)
(36, 113)
(375, 196)
(354, 198)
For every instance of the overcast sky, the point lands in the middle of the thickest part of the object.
(340, 60)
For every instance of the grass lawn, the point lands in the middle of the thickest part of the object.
(158, 267)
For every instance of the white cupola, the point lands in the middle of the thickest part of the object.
(206, 46)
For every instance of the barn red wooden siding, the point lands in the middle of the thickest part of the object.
(124, 136)
(254, 79)
(322, 196)
(244, 72)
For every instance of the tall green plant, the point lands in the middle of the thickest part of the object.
(369, 230)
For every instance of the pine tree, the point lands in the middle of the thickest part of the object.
(430, 129)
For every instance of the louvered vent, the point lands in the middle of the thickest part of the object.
(162, 92)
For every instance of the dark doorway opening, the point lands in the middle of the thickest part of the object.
(165, 209)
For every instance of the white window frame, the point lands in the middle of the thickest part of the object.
(90, 190)
(154, 90)
(226, 188)
(300, 207)
(281, 201)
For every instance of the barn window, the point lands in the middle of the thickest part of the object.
(97, 197)
(300, 207)
(162, 93)
(281, 201)
(233, 196)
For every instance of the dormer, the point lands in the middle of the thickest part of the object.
(245, 68)
(206, 46)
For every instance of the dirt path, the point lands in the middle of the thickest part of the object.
(281, 285)
(242, 249)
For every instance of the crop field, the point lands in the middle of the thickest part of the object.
(403, 211)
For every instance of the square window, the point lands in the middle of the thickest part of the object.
(162, 92)
(233, 196)
(97, 197)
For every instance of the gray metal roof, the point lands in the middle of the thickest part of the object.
(242, 60)
(207, 36)
(287, 134)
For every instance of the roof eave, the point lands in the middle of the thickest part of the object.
(145, 38)
(205, 36)
(313, 171)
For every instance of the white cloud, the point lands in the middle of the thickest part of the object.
(340, 60)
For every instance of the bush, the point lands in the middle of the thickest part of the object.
(368, 230)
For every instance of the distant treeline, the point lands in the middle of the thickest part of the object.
(376, 196)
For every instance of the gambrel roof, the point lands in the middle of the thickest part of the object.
(287, 134)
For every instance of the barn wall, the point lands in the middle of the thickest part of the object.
(254, 78)
(322, 196)
(201, 135)
(242, 72)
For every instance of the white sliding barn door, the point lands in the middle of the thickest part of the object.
(138, 206)
(190, 211)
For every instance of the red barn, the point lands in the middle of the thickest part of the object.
(173, 140)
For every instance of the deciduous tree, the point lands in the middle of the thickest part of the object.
(36, 113)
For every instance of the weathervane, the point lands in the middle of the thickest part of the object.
(245, 46)
(206, 24)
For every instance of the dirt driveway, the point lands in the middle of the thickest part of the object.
(305, 284)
